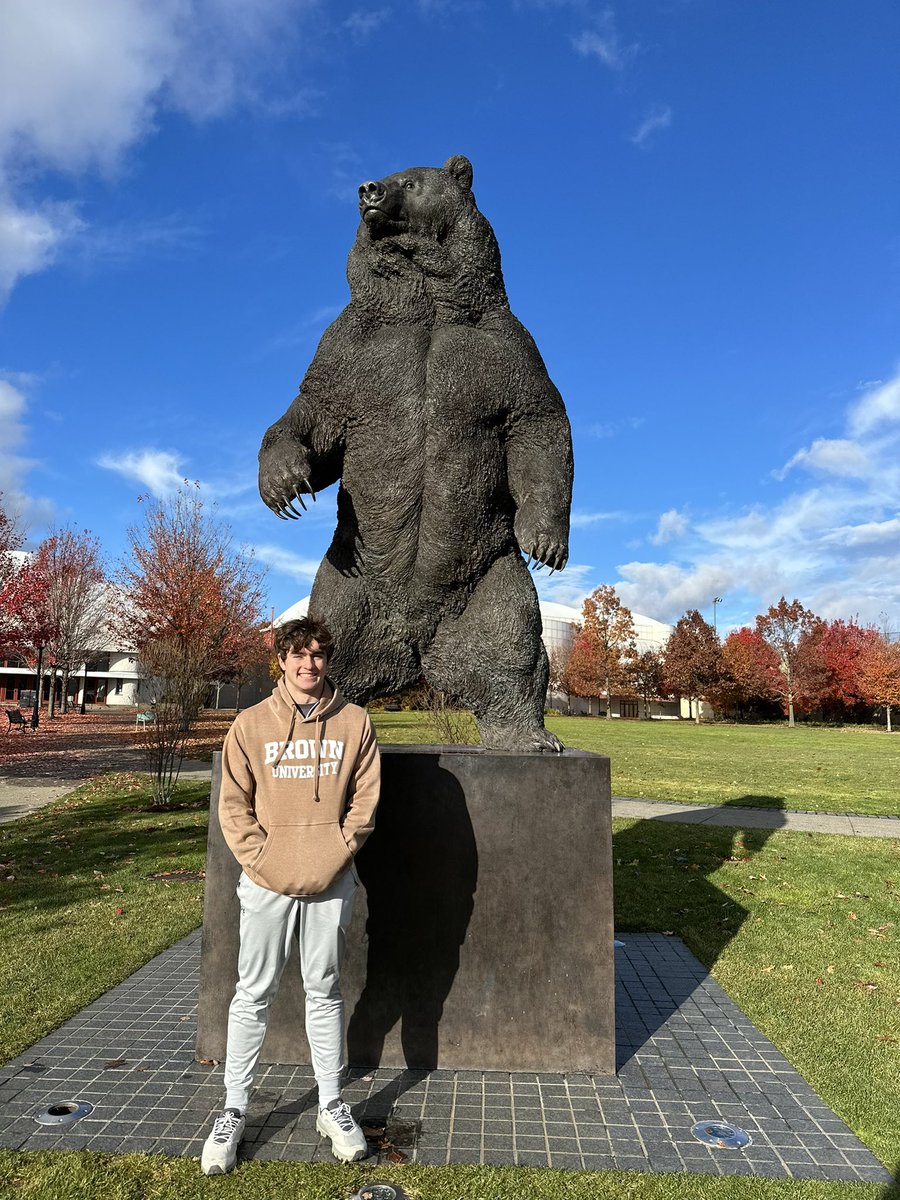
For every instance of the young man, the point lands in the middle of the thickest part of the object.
(300, 783)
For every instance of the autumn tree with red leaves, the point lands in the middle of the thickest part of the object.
(748, 666)
(77, 601)
(788, 629)
(25, 621)
(692, 659)
(878, 673)
(190, 604)
(602, 648)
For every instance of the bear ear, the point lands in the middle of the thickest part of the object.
(461, 170)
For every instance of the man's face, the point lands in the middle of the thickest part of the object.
(304, 670)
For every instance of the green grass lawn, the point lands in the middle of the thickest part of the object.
(850, 769)
(84, 1176)
(800, 929)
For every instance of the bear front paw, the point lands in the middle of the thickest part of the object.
(284, 472)
(545, 551)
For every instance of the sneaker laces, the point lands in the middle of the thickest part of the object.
(342, 1116)
(225, 1126)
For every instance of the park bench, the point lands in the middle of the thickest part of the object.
(144, 718)
(15, 716)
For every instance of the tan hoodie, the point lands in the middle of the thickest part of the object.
(298, 794)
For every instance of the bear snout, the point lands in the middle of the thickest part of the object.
(371, 194)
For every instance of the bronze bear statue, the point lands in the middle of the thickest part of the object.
(431, 404)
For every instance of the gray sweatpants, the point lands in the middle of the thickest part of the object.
(268, 922)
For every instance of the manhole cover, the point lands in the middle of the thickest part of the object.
(724, 1137)
(64, 1112)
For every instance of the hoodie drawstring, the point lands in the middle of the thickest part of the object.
(318, 752)
(286, 742)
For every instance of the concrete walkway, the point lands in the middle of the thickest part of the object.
(18, 797)
(756, 818)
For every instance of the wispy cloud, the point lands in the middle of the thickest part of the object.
(879, 406)
(602, 41)
(81, 85)
(14, 466)
(834, 543)
(362, 23)
(159, 470)
(672, 524)
(288, 563)
(582, 520)
(565, 587)
(833, 456)
(659, 117)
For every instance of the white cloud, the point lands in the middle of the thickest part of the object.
(288, 563)
(565, 587)
(879, 406)
(581, 520)
(659, 117)
(834, 456)
(672, 524)
(666, 591)
(603, 42)
(29, 240)
(833, 542)
(15, 467)
(80, 84)
(158, 470)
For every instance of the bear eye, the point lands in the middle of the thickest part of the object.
(408, 183)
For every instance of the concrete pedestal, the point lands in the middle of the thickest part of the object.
(483, 933)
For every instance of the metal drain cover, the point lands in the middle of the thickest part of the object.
(64, 1112)
(379, 1191)
(720, 1135)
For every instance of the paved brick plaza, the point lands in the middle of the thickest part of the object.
(686, 1053)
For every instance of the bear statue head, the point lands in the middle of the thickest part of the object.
(427, 201)
(424, 253)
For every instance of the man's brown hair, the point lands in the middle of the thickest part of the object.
(297, 635)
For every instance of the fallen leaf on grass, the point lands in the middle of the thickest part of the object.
(884, 1037)
(830, 968)
(820, 982)
(866, 985)
(851, 916)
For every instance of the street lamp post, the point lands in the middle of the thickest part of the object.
(35, 712)
(716, 600)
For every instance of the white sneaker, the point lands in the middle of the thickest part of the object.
(220, 1148)
(348, 1142)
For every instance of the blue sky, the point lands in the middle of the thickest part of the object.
(698, 206)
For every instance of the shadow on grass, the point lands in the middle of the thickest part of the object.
(664, 884)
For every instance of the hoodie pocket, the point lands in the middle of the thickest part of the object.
(301, 860)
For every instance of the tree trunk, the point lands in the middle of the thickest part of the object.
(889, 718)
(697, 710)
(51, 707)
(608, 701)
(65, 689)
(791, 709)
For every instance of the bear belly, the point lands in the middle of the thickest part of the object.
(425, 469)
